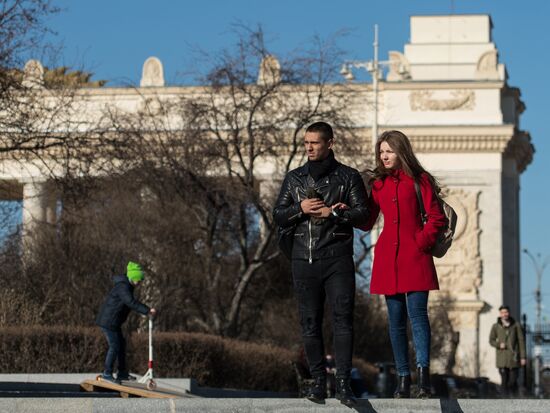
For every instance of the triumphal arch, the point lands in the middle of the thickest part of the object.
(448, 91)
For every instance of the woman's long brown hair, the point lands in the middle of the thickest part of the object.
(402, 147)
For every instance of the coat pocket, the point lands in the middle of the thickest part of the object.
(419, 242)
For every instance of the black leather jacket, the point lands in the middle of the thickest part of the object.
(334, 236)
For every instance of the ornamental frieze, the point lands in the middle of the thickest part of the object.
(460, 99)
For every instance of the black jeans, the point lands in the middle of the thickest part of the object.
(509, 384)
(333, 278)
(116, 351)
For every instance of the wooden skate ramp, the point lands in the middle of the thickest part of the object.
(129, 389)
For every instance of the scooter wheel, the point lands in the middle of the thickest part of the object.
(98, 377)
(151, 385)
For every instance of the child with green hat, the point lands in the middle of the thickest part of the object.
(113, 313)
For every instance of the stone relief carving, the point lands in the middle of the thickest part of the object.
(33, 73)
(153, 73)
(270, 71)
(400, 68)
(422, 100)
(460, 270)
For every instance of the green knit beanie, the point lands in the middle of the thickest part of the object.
(134, 272)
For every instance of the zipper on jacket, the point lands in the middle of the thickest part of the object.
(310, 243)
(299, 214)
(340, 234)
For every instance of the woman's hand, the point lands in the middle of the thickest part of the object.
(339, 205)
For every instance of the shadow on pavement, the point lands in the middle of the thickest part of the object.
(450, 406)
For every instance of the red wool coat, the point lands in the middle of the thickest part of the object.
(402, 262)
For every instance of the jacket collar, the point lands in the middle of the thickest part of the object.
(399, 173)
(117, 279)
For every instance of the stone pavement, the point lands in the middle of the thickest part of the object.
(12, 405)
(237, 401)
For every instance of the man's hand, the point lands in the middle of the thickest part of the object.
(311, 205)
(502, 346)
(523, 362)
(322, 212)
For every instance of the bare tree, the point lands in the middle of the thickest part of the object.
(186, 186)
(208, 149)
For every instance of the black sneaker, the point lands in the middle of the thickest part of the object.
(125, 377)
(109, 377)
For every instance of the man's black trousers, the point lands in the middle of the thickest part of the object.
(332, 278)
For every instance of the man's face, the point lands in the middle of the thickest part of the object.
(317, 148)
(504, 314)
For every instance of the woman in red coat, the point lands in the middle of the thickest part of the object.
(403, 268)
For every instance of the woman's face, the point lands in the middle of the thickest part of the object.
(388, 156)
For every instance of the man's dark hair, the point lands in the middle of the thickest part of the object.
(323, 129)
(504, 307)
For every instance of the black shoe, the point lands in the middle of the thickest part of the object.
(125, 377)
(344, 392)
(403, 390)
(424, 388)
(317, 393)
(108, 377)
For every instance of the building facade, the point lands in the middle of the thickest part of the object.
(448, 92)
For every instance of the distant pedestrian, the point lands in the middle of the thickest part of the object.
(507, 337)
(113, 313)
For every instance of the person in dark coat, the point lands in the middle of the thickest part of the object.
(322, 253)
(403, 268)
(507, 337)
(113, 313)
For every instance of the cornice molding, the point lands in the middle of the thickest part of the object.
(503, 139)
(460, 143)
(351, 87)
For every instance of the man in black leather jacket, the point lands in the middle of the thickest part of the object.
(322, 252)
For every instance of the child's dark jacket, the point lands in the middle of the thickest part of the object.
(118, 304)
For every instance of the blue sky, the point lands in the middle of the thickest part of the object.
(113, 39)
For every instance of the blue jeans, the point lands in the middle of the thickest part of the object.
(116, 351)
(413, 305)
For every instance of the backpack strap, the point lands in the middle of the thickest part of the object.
(423, 215)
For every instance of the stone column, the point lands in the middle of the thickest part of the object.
(464, 316)
(51, 206)
(39, 207)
